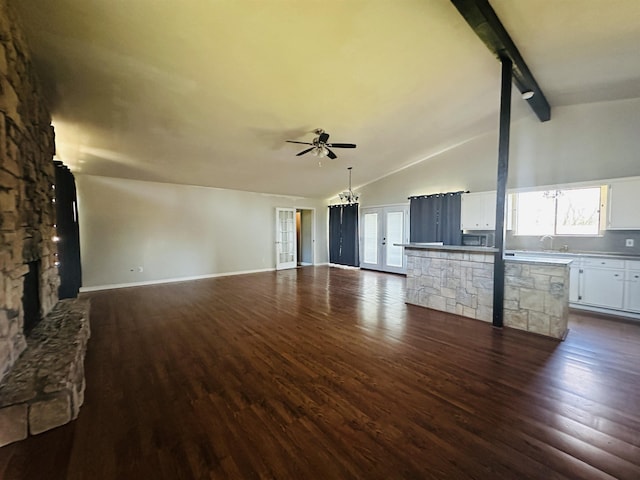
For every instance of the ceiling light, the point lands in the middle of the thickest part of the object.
(527, 95)
(348, 196)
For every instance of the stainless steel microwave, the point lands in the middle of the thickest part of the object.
(477, 239)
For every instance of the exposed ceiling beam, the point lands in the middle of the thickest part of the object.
(484, 21)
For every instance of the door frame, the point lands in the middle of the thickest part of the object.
(383, 210)
(278, 243)
(310, 228)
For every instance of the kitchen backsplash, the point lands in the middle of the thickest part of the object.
(613, 241)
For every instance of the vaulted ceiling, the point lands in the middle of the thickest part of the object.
(205, 92)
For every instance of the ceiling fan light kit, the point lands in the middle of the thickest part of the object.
(320, 151)
(320, 146)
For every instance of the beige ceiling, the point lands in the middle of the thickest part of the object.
(206, 92)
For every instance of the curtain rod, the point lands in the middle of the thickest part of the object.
(342, 204)
(438, 194)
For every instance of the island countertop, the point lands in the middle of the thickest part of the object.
(530, 257)
(449, 248)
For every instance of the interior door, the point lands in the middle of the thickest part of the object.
(382, 228)
(286, 238)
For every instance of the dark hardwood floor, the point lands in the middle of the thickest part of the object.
(320, 373)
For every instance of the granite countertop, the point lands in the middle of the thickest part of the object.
(555, 253)
(510, 255)
(539, 260)
(450, 248)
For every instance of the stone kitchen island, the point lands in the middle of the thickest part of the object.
(459, 280)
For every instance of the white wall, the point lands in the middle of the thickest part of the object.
(178, 231)
(580, 143)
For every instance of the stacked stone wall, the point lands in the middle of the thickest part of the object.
(453, 282)
(536, 297)
(27, 211)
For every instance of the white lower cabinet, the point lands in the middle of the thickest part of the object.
(632, 287)
(574, 281)
(607, 283)
(602, 287)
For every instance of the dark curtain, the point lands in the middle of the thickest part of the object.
(349, 252)
(335, 221)
(67, 229)
(450, 210)
(423, 219)
(436, 218)
(343, 235)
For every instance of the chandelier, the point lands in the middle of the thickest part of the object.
(348, 196)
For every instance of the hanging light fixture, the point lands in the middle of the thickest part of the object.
(348, 196)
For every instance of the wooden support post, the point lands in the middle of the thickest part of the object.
(503, 170)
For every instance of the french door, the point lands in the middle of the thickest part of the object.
(381, 229)
(286, 256)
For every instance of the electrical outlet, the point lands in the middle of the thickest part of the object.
(629, 242)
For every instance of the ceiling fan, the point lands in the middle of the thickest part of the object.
(320, 145)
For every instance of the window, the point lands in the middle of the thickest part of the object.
(573, 211)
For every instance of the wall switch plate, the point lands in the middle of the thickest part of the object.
(629, 242)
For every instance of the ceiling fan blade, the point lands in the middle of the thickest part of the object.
(304, 151)
(341, 145)
(304, 143)
(331, 155)
(323, 137)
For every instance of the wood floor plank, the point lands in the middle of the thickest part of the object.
(326, 373)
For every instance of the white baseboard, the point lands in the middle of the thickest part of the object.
(607, 311)
(169, 280)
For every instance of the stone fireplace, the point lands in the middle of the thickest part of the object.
(42, 340)
(27, 210)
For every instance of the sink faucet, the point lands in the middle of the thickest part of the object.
(543, 238)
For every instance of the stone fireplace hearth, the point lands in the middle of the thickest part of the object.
(45, 387)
